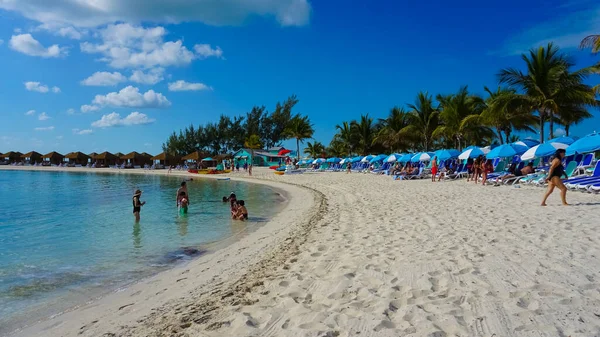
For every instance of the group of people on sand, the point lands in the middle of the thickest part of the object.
(238, 207)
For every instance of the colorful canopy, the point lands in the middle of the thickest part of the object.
(283, 152)
(208, 159)
(378, 158)
(471, 152)
(506, 150)
(562, 139)
(392, 158)
(446, 154)
(334, 160)
(367, 159)
(406, 158)
(422, 156)
(319, 161)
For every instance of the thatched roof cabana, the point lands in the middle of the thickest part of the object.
(195, 156)
(166, 159)
(32, 156)
(78, 158)
(106, 159)
(137, 158)
(146, 154)
(119, 154)
(12, 155)
(53, 157)
(92, 155)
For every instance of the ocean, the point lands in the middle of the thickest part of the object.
(67, 237)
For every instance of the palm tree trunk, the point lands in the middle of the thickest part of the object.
(541, 127)
(567, 130)
(507, 132)
(551, 124)
(500, 135)
(298, 148)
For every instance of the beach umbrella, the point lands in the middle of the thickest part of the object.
(542, 150)
(319, 161)
(356, 159)
(422, 156)
(527, 142)
(519, 149)
(406, 158)
(446, 154)
(283, 152)
(471, 152)
(367, 159)
(562, 139)
(333, 160)
(377, 158)
(392, 158)
(589, 143)
(506, 150)
(208, 159)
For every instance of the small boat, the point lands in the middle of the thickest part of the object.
(279, 173)
(223, 178)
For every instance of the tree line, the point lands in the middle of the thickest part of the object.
(550, 92)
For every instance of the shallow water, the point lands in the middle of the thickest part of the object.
(66, 236)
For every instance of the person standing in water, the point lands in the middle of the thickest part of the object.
(183, 189)
(554, 177)
(137, 204)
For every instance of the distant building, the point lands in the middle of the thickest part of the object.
(261, 157)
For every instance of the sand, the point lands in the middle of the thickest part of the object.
(363, 255)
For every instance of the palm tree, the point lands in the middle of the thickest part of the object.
(424, 119)
(345, 135)
(548, 87)
(253, 143)
(389, 134)
(299, 128)
(591, 41)
(336, 148)
(315, 149)
(571, 116)
(454, 110)
(364, 133)
(498, 115)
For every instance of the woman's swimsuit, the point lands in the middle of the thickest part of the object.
(558, 171)
(136, 209)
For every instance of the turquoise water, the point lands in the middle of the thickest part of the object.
(66, 236)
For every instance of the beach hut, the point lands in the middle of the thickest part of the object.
(106, 159)
(194, 157)
(12, 156)
(260, 158)
(77, 158)
(134, 159)
(32, 157)
(164, 159)
(52, 158)
(209, 162)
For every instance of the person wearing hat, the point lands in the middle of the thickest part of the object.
(137, 204)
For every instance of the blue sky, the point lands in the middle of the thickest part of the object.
(103, 75)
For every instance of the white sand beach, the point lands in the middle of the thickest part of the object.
(363, 255)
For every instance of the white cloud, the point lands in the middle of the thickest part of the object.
(30, 113)
(576, 21)
(18, 30)
(132, 98)
(43, 117)
(127, 46)
(559, 132)
(82, 132)
(47, 128)
(69, 32)
(59, 137)
(89, 108)
(187, 86)
(147, 144)
(151, 77)
(205, 50)
(26, 44)
(93, 13)
(71, 111)
(103, 78)
(39, 87)
(114, 119)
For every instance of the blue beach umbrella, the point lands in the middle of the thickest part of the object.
(542, 150)
(563, 139)
(392, 158)
(471, 152)
(334, 160)
(356, 159)
(345, 160)
(378, 158)
(319, 161)
(519, 149)
(528, 142)
(589, 143)
(447, 154)
(422, 156)
(406, 158)
(506, 150)
(367, 159)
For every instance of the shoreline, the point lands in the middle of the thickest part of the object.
(265, 236)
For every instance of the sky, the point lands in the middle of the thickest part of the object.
(120, 76)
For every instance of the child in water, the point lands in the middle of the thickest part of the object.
(241, 212)
(183, 203)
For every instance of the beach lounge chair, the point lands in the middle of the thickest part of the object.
(573, 183)
(570, 171)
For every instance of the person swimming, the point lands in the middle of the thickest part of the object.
(241, 212)
(225, 199)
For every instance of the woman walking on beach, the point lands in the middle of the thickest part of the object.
(554, 177)
(434, 169)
